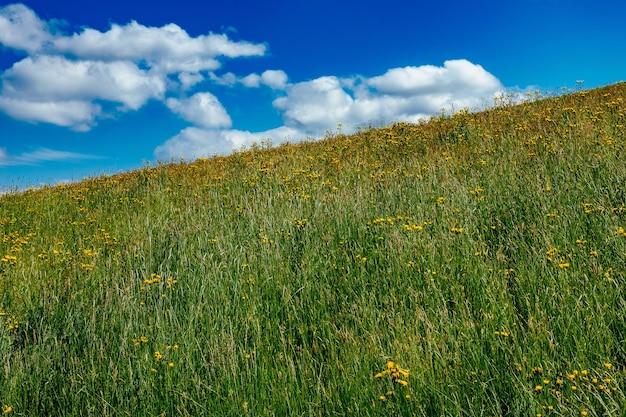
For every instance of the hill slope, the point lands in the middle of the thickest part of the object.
(484, 254)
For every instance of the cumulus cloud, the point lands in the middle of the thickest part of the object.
(311, 108)
(312, 105)
(21, 29)
(401, 94)
(126, 65)
(201, 109)
(78, 115)
(194, 142)
(74, 79)
(47, 78)
(167, 49)
(275, 79)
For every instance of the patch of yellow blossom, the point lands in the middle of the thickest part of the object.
(396, 374)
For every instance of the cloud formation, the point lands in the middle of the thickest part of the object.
(201, 109)
(40, 155)
(401, 94)
(312, 108)
(74, 79)
(63, 75)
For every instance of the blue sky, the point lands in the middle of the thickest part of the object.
(107, 87)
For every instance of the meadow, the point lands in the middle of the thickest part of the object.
(470, 265)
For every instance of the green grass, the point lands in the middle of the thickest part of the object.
(485, 253)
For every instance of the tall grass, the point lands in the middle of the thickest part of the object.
(483, 253)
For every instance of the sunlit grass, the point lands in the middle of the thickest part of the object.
(472, 265)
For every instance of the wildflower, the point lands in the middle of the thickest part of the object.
(538, 388)
(7, 409)
(158, 356)
(608, 365)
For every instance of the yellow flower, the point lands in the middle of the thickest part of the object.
(7, 409)
(157, 356)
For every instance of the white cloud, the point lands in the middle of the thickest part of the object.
(189, 79)
(311, 108)
(275, 79)
(167, 49)
(78, 115)
(21, 29)
(74, 79)
(201, 109)
(252, 80)
(55, 78)
(193, 142)
(40, 155)
(128, 64)
(314, 106)
(401, 94)
(460, 77)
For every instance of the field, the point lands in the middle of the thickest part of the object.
(472, 265)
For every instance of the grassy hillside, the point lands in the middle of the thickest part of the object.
(472, 265)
